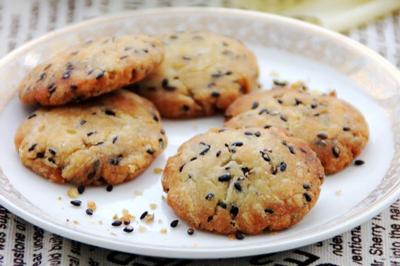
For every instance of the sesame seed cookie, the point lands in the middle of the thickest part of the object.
(202, 73)
(109, 139)
(245, 180)
(334, 129)
(90, 69)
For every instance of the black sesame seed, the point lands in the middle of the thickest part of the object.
(128, 229)
(50, 159)
(166, 86)
(209, 196)
(192, 159)
(181, 167)
(67, 74)
(280, 83)
(82, 122)
(307, 197)
(76, 203)
(322, 135)
(274, 170)
(109, 188)
(306, 186)
(257, 134)
(234, 211)
(116, 223)
(116, 160)
(237, 144)
(263, 111)
(291, 149)
(42, 76)
(254, 105)
(215, 94)
(89, 211)
(203, 152)
(228, 73)
(218, 153)
(245, 170)
(81, 189)
(269, 210)
(144, 214)
(127, 222)
(40, 155)
(52, 151)
(283, 117)
(150, 151)
(114, 139)
(90, 133)
(297, 101)
(239, 235)
(52, 88)
(282, 166)
(238, 186)
(100, 75)
(31, 148)
(32, 116)
(313, 105)
(247, 133)
(280, 101)
(265, 156)
(185, 108)
(358, 162)
(155, 118)
(336, 151)
(190, 231)
(109, 112)
(222, 204)
(267, 126)
(209, 218)
(346, 129)
(174, 223)
(162, 132)
(224, 177)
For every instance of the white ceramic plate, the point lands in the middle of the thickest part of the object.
(288, 48)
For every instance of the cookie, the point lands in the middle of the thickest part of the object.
(109, 139)
(334, 129)
(91, 69)
(202, 73)
(245, 180)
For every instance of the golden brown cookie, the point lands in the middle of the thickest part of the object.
(109, 139)
(245, 180)
(334, 129)
(202, 73)
(91, 69)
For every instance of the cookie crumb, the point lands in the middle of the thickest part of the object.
(138, 193)
(59, 198)
(153, 206)
(76, 222)
(164, 231)
(73, 192)
(91, 205)
(142, 229)
(157, 170)
(338, 193)
(149, 218)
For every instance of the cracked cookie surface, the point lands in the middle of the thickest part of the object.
(202, 73)
(109, 139)
(245, 180)
(91, 69)
(333, 128)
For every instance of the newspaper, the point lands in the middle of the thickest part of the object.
(376, 242)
